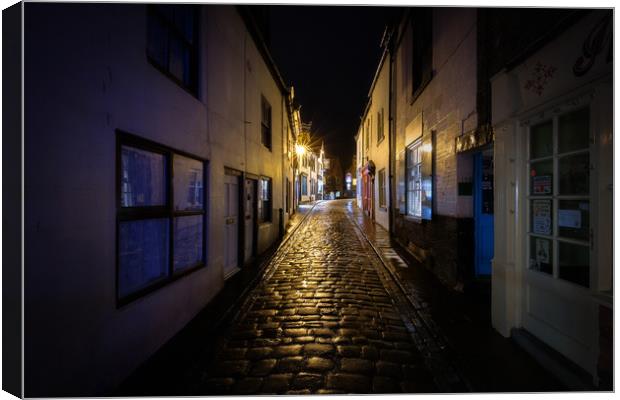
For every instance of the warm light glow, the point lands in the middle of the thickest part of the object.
(300, 150)
(427, 148)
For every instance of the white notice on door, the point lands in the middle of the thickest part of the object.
(569, 218)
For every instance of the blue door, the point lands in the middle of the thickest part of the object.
(483, 212)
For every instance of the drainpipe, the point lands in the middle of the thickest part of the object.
(391, 137)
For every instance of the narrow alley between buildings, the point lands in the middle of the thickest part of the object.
(329, 315)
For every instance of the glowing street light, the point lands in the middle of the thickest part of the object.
(300, 149)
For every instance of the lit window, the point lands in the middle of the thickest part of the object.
(414, 179)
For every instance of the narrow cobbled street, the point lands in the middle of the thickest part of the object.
(323, 320)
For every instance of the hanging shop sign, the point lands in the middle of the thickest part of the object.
(479, 137)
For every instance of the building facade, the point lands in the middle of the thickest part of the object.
(434, 89)
(498, 166)
(157, 166)
(553, 123)
(374, 142)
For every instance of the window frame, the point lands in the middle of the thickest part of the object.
(261, 207)
(416, 144)
(381, 185)
(266, 125)
(167, 211)
(172, 29)
(555, 198)
(304, 184)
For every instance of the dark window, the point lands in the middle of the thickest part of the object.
(265, 123)
(264, 204)
(422, 62)
(304, 185)
(172, 42)
(380, 135)
(382, 188)
(160, 214)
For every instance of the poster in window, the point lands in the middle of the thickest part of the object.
(542, 251)
(569, 218)
(542, 184)
(541, 213)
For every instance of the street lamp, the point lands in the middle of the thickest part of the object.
(300, 149)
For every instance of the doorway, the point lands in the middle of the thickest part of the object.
(483, 212)
(250, 211)
(231, 222)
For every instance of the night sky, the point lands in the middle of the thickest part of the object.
(330, 55)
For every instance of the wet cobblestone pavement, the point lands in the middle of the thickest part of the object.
(324, 319)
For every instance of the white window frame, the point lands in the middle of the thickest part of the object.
(415, 146)
(555, 198)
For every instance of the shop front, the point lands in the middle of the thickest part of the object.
(553, 123)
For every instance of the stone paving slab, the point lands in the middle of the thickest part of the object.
(321, 321)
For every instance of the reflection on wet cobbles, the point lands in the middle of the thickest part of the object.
(321, 322)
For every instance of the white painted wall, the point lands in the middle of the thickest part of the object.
(86, 74)
(378, 152)
(561, 314)
(447, 105)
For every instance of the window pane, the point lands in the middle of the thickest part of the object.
(157, 40)
(541, 255)
(574, 131)
(143, 176)
(188, 241)
(143, 254)
(188, 184)
(541, 217)
(184, 21)
(179, 60)
(541, 140)
(575, 174)
(541, 178)
(575, 263)
(574, 219)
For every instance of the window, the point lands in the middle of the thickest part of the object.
(161, 216)
(380, 134)
(422, 49)
(559, 197)
(172, 42)
(264, 204)
(265, 123)
(419, 171)
(304, 185)
(414, 179)
(382, 188)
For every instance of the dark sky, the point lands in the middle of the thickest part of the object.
(329, 54)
